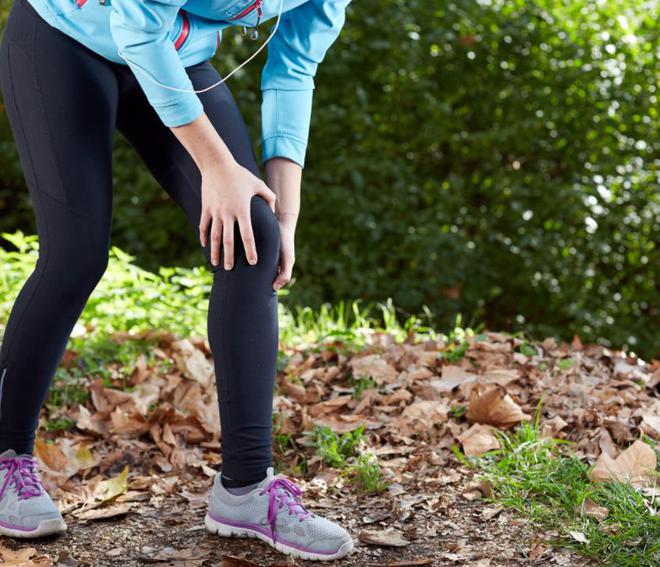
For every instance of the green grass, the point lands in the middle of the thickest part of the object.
(458, 411)
(335, 449)
(566, 363)
(539, 479)
(130, 299)
(361, 384)
(60, 424)
(365, 473)
(458, 340)
(349, 452)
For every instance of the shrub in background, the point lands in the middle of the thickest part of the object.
(492, 158)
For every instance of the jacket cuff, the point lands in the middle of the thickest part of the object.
(180, 112)
(285, 123)
(283, 146)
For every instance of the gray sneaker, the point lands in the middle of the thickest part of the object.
(273, 512)
(26, 509)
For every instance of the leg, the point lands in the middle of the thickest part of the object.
(242, 317)
(61, 105)
(243, 336)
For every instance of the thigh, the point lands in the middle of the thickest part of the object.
(60, 100)
(168, 161)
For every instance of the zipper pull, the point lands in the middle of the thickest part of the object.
(255, 31)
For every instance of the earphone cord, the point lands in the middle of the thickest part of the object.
(148, 74)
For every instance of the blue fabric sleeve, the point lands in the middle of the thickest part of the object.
(140, 30)
(287, 79)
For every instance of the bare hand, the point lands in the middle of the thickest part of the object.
(226, 196)
(287, 253)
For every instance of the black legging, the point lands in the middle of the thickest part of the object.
(64, 103)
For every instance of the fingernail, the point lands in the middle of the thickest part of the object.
(227, 266)
(253, 261)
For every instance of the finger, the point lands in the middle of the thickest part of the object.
(268, 195)
(204, 226)
(247, 235)
(228, 242)
(284, 277)
(216, 238)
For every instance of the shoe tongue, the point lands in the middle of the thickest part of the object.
(268, 478)
(9, 453)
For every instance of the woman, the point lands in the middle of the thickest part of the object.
(73, 71)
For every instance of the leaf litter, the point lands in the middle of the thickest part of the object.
(133, 475)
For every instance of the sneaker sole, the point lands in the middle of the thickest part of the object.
(45, 528)
(226, 530)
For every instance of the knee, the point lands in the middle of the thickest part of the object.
(266, 229)
(75, 274)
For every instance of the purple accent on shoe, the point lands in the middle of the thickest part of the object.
(264, 531)
(19, 528)
(289, 495)
(22, 471)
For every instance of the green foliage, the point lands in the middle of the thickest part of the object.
(349, 322)
(60, 424)
(492, 158)
(336, 449)
(366, 474)
(533, 476)
(527, 349)
(458, 341)
(283, 441)
(130, 299)
(566, 363)
(68, 389)
(457, 412)
(361, 384)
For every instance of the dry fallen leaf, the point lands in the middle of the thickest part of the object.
(490, 404)
(105, 512)
(373, 366)
(233, 561)
(478, 440)
(537, 550)
(651, 425)
(593, 510)
(50, 454)
(84, 457)
(579, 537)
(421, 417)
(552, 427)
(24, 557)
(112, 487)
(452, 376)
(406, 563)
(193, 362)
(389, 537)
(636, 465)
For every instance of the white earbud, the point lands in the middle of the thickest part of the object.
(148, 74)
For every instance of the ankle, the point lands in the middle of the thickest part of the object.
(239, 487)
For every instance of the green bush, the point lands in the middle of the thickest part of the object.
(486, 157)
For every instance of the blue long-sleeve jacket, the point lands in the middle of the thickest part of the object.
(161, 37)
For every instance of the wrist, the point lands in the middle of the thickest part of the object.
(218, 165)
(287, 219)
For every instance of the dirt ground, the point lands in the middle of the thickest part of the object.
(132, 477)
(442, 527)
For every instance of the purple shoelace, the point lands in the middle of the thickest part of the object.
(22, 472)
(283, 492)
